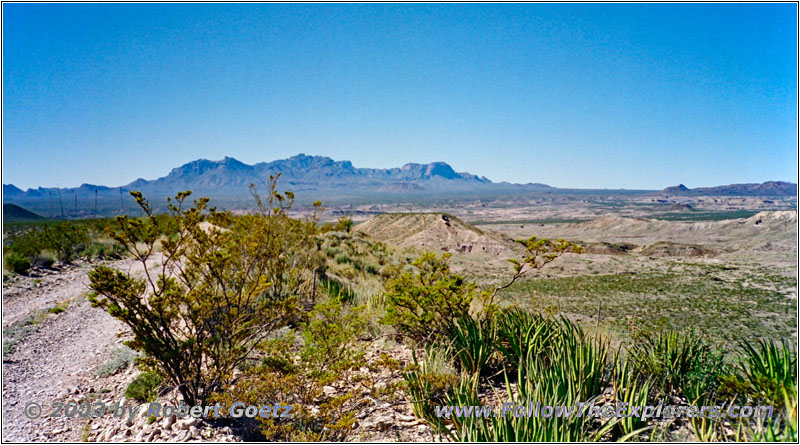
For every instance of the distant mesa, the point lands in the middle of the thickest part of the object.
(769, 188)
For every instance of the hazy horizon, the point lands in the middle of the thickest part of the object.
(633, 96)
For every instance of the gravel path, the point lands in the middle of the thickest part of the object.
(58, 358)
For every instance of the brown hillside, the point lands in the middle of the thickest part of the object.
(435, 231)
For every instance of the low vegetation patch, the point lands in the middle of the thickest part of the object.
(121, 359)
(145, 387)
(690, 296)
(20, 329)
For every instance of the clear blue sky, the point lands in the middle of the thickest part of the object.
(581, 95)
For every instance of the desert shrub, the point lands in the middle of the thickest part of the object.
(539, 252)
(423, 303)
(144, 387)
(372, 269)
(219, 291)
(43, 259)
(315, 379)
(26, 243)
(344, 224)
(57, 309)
(329, 335)
(17, 263)
(102, 250)
(64, 239)
(121, 358)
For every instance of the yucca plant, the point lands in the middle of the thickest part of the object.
(698, 392)
(557, 365)
(668, 358)
(782, 428)
(565, 368)
(767, 372)
(428, 384)
(633, 391)
(473, 342)
(767, 368)
(335, 289)
(467, 428)
(521, 333)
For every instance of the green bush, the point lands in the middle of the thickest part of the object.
(423, 303)
(65, 239)
(241, 278)
(145, 387)
(17, 263)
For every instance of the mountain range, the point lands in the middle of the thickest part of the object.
(226, 181)
(231, 177)
(769, 188)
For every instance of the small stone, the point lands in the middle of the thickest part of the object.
(187, 423)
(168, 422)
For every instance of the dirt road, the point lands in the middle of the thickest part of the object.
(57, 356)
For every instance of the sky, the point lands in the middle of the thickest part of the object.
(636, 96)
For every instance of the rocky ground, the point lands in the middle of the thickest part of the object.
(53, 356)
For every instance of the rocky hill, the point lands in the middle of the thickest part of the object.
(437, 232)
